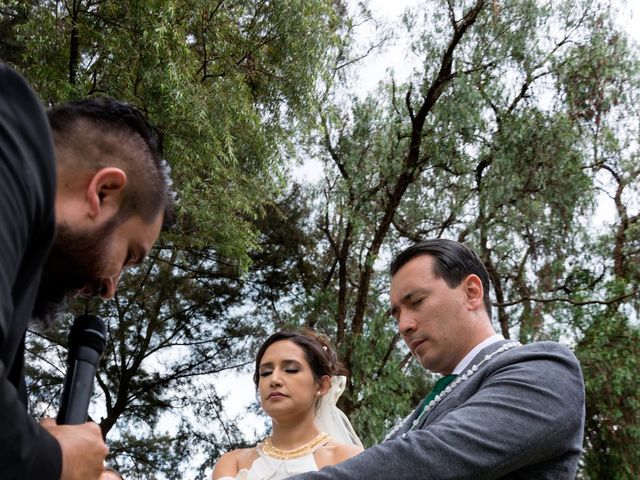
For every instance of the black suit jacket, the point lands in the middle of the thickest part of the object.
(27, 224)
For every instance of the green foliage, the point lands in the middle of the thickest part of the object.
(610, 356)
(223, 81)
(395, 389)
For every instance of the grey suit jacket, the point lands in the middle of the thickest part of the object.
(519, 416)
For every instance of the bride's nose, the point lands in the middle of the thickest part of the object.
(274, 379)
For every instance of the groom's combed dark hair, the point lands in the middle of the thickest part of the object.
(453, 262)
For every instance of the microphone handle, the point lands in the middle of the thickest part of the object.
(78, 387)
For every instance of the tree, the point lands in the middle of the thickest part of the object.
(498, 139)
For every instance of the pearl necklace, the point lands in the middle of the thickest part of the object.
(459, 379)
(301, 451)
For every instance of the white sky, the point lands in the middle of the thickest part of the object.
(374, 68)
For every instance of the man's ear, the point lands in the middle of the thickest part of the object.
(324, 385)
(104, 192)
(474, 292)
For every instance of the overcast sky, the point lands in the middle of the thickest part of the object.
(374, 68)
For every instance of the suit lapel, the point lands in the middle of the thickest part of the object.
(429, 418)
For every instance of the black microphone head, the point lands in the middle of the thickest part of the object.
(88, 331)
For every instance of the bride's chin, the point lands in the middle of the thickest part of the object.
(285, 416)
(276, 413)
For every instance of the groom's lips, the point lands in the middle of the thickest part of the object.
(416, 343)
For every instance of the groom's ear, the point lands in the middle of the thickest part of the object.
(324, 385)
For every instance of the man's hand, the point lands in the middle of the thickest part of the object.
(83, 450)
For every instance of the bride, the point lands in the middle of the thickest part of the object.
(298, 384)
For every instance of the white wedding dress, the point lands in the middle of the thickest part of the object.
(269, 468)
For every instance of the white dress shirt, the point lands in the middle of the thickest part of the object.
(464, 363)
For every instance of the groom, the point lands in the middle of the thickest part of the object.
(501, 410)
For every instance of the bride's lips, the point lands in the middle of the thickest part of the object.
(276, 395)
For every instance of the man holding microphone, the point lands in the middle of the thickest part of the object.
(84, 194)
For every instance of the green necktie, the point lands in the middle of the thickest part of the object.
(440, 385)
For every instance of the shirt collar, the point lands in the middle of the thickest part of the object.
(470, 356)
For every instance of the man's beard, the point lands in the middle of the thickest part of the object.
(75, 263)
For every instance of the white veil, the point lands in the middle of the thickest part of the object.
(332, 420)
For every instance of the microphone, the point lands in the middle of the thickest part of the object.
(87, 340)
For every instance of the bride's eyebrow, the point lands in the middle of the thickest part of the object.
(288, 362)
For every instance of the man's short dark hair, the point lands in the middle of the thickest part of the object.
(452, 261)
(110, 124)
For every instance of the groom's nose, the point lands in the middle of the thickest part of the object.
(406, 323)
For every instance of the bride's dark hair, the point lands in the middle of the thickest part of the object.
(317, 349)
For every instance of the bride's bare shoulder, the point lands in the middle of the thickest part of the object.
(246, 456)
(334, 452)
(232, 462)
